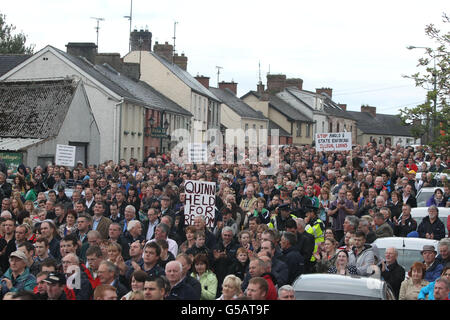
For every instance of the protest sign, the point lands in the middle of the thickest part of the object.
(197, 153)
(200, 200)
(65, 155)
(339, 141)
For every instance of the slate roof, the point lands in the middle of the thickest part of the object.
(383, 124)
(88, 67)
(34, 109)
(281, 131)
(185, 76)
(9, 61)
(236, 104)
(142, 91)
(288, 110)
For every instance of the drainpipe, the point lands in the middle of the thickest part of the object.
(117, 135)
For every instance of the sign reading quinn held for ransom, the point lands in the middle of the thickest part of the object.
(200, 200)
(339, 141)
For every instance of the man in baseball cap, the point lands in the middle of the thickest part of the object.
(18, 276)
(56, 282)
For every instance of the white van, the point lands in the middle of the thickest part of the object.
(408, 249)
(421, 212)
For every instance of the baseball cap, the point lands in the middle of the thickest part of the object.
(56, 278)
(411, 171)
(19, 254)
(284, 206)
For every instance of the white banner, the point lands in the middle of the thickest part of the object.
(200, 200)
(339, 141)
(197, 152)
(65, 155)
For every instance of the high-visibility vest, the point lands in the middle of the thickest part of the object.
(317, 231)
(273, 222)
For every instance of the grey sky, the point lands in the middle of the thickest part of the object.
(358, 48)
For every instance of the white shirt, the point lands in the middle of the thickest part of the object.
(151, 229)
(173, 246)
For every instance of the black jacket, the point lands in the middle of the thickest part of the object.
(239, 269)
(394, 275)
(403, 230)
(281, 271)
(196, 286)
(305, 244)
(182, 291)
(437, 228)
(295, 263)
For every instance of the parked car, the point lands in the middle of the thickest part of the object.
(408, 248)
(424, 194)
(421, 212)
(339, 287)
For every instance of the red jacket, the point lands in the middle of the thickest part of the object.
(272, 291)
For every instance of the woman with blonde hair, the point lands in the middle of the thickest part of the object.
(231, 288)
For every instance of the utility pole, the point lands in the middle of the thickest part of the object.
(218, 73)
(98, 26)
(130, 17)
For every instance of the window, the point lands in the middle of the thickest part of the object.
(331, 127)
(323, 126)
(299, 129)
(337, 127)
(246, 126)
(254, 126)
(308, 130)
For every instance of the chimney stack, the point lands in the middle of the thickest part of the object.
(276, 83)
(230, 85)
(260, 88)
(164, 50)
(180, 61)
(369, 109)
(203, 80)
(342, 106)
(141, 40)
(327, 91)
(84, 49)
(295, 82)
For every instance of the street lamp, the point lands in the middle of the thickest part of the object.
(151, 121)
(434, 122)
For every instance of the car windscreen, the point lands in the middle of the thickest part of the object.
(423, 197)
(309, 295)
(406, 257)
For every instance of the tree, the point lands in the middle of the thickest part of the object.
(12, 43)
(431, 119)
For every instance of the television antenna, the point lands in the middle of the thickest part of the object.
(218, 73)
(174, 36)
(98, 26)
(130, 18)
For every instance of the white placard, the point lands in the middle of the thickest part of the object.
(197, 152)
(200, 200)
(65, 155)
(338, 141)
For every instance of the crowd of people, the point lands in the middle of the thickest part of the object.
(117, 230)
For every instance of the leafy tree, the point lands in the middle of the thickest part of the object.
(12, 43)
(431, 119)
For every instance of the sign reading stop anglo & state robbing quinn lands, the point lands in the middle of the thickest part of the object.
(339, 141)
(200, 200)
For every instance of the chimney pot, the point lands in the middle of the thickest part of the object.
(371, 110)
